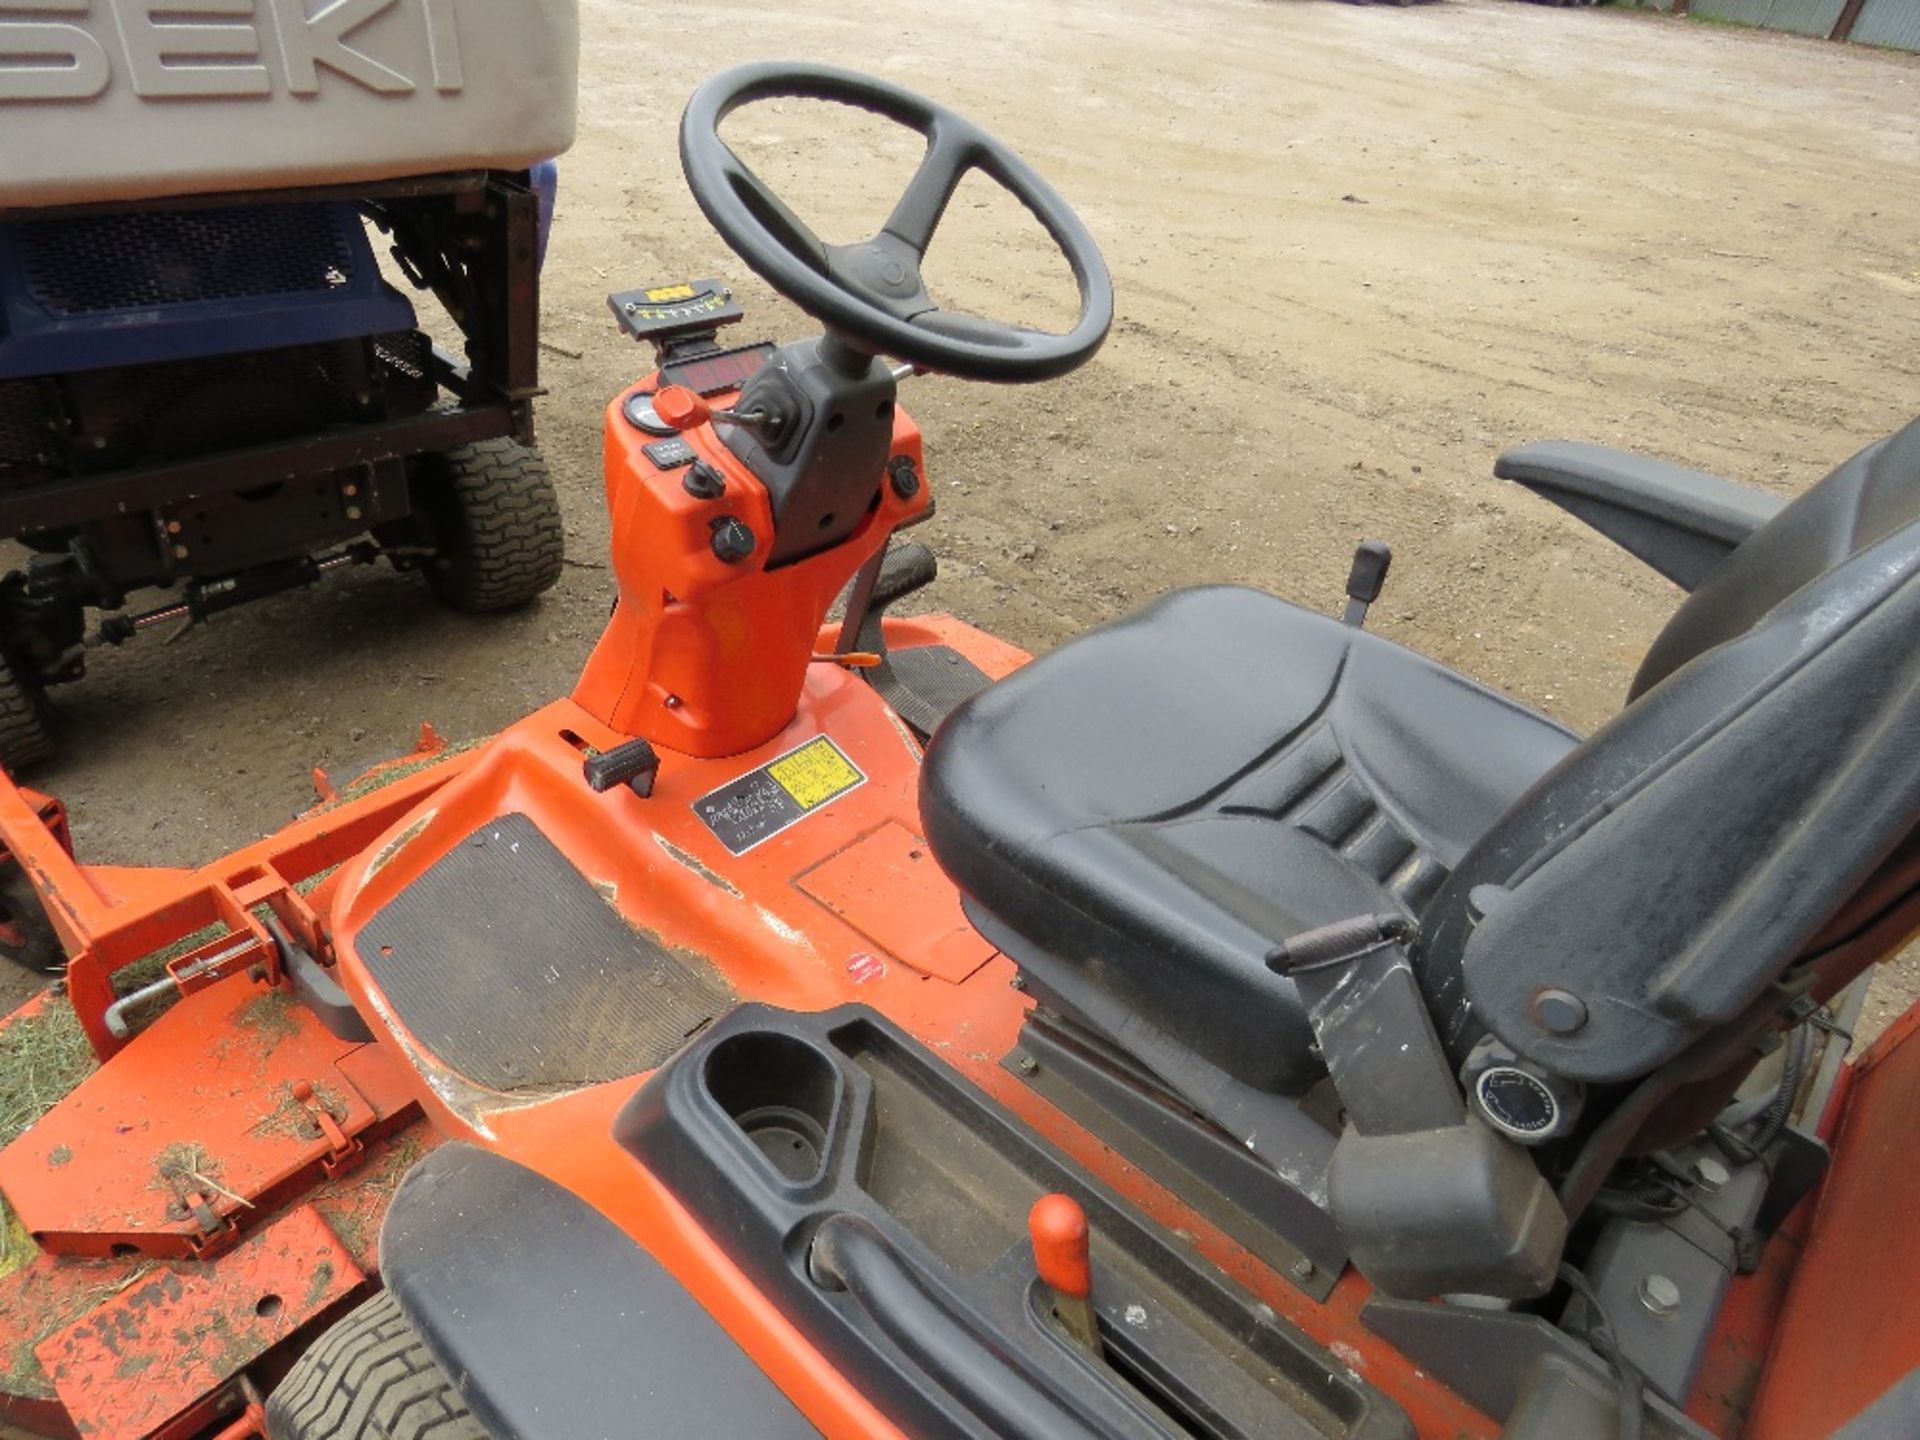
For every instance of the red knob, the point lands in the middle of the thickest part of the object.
(1060, 1245)
(681, 408)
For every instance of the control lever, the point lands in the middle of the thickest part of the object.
(1062, 1254)
(634, 764)
(684, 410)
(1365, 580)
(1340, 943)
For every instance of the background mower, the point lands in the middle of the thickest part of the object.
(205, 383)
(1231, 1024)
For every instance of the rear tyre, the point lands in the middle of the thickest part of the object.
(498, 540)
(26, 729)
(27, 936)
(370, 1377)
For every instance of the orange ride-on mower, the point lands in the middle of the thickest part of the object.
(1229, 1025)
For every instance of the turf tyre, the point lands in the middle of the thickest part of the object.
(498, 539)
(26, 722)
(370, 1377)
(27, 936)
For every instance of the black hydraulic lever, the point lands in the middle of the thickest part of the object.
(1366, 579)
(634, 764)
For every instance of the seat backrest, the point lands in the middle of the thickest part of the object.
(1765, 772)
(1868, 498)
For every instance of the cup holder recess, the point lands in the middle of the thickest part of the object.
(781, 1092)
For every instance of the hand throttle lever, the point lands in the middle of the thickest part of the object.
(684, 410)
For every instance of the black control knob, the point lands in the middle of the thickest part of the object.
(703, 482)
(905, 477)
(1525, 1102)
(732, 540)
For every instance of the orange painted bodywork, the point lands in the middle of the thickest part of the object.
(723, 668)
(195, 1138)
(109, 916)
(702, 656)
(143, 1362)
(233, 1117)
(1845, 1332)
(55, 1295)
(760, 919)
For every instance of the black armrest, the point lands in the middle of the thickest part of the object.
(1681, 522)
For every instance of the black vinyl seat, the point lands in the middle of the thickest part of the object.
(1139, 816)
(1159, 801)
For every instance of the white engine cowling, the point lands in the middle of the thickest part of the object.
(129, 99)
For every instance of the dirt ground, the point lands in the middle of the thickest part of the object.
(1357, 249)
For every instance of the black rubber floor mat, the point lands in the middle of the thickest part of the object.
(925, 684)
(509, 966)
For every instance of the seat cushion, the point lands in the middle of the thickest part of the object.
(1156, 803)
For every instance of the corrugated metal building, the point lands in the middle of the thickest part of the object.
(1892, 23)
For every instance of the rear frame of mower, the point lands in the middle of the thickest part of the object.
(473, 238)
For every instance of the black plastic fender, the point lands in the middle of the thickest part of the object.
(553, 1324)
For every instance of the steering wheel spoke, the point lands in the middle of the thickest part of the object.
(773, 212)
(951, 152)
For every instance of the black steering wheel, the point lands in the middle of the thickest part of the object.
(870, 294)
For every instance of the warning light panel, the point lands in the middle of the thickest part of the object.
(673, 316)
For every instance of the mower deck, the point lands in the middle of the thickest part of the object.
(230, 1130)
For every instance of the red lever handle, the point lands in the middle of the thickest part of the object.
(681, 408)
(1061, 1249)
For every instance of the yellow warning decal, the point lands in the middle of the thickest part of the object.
(670, 292)
(760, 804)
(815, 773)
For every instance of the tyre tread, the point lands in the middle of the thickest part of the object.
(370, 1377)
(503, 541)
(26, 737)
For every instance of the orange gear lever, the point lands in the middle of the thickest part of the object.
(681, 408)
(1063, 1256)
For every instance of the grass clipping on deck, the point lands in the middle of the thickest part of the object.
(41, 1059)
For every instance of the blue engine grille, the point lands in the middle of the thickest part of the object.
(127, 262)
(98, 291)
